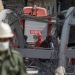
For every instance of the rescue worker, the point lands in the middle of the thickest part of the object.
(10, 60)
(39, 41)
(47, 43)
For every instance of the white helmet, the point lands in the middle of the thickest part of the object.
(5, 30)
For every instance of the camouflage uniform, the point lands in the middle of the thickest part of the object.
(11, 63)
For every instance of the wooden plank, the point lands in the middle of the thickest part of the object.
(70, 53)
(38, 53)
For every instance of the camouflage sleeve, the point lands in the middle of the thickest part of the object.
(22, 70)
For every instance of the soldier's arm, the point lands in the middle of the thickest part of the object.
(22, 70)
